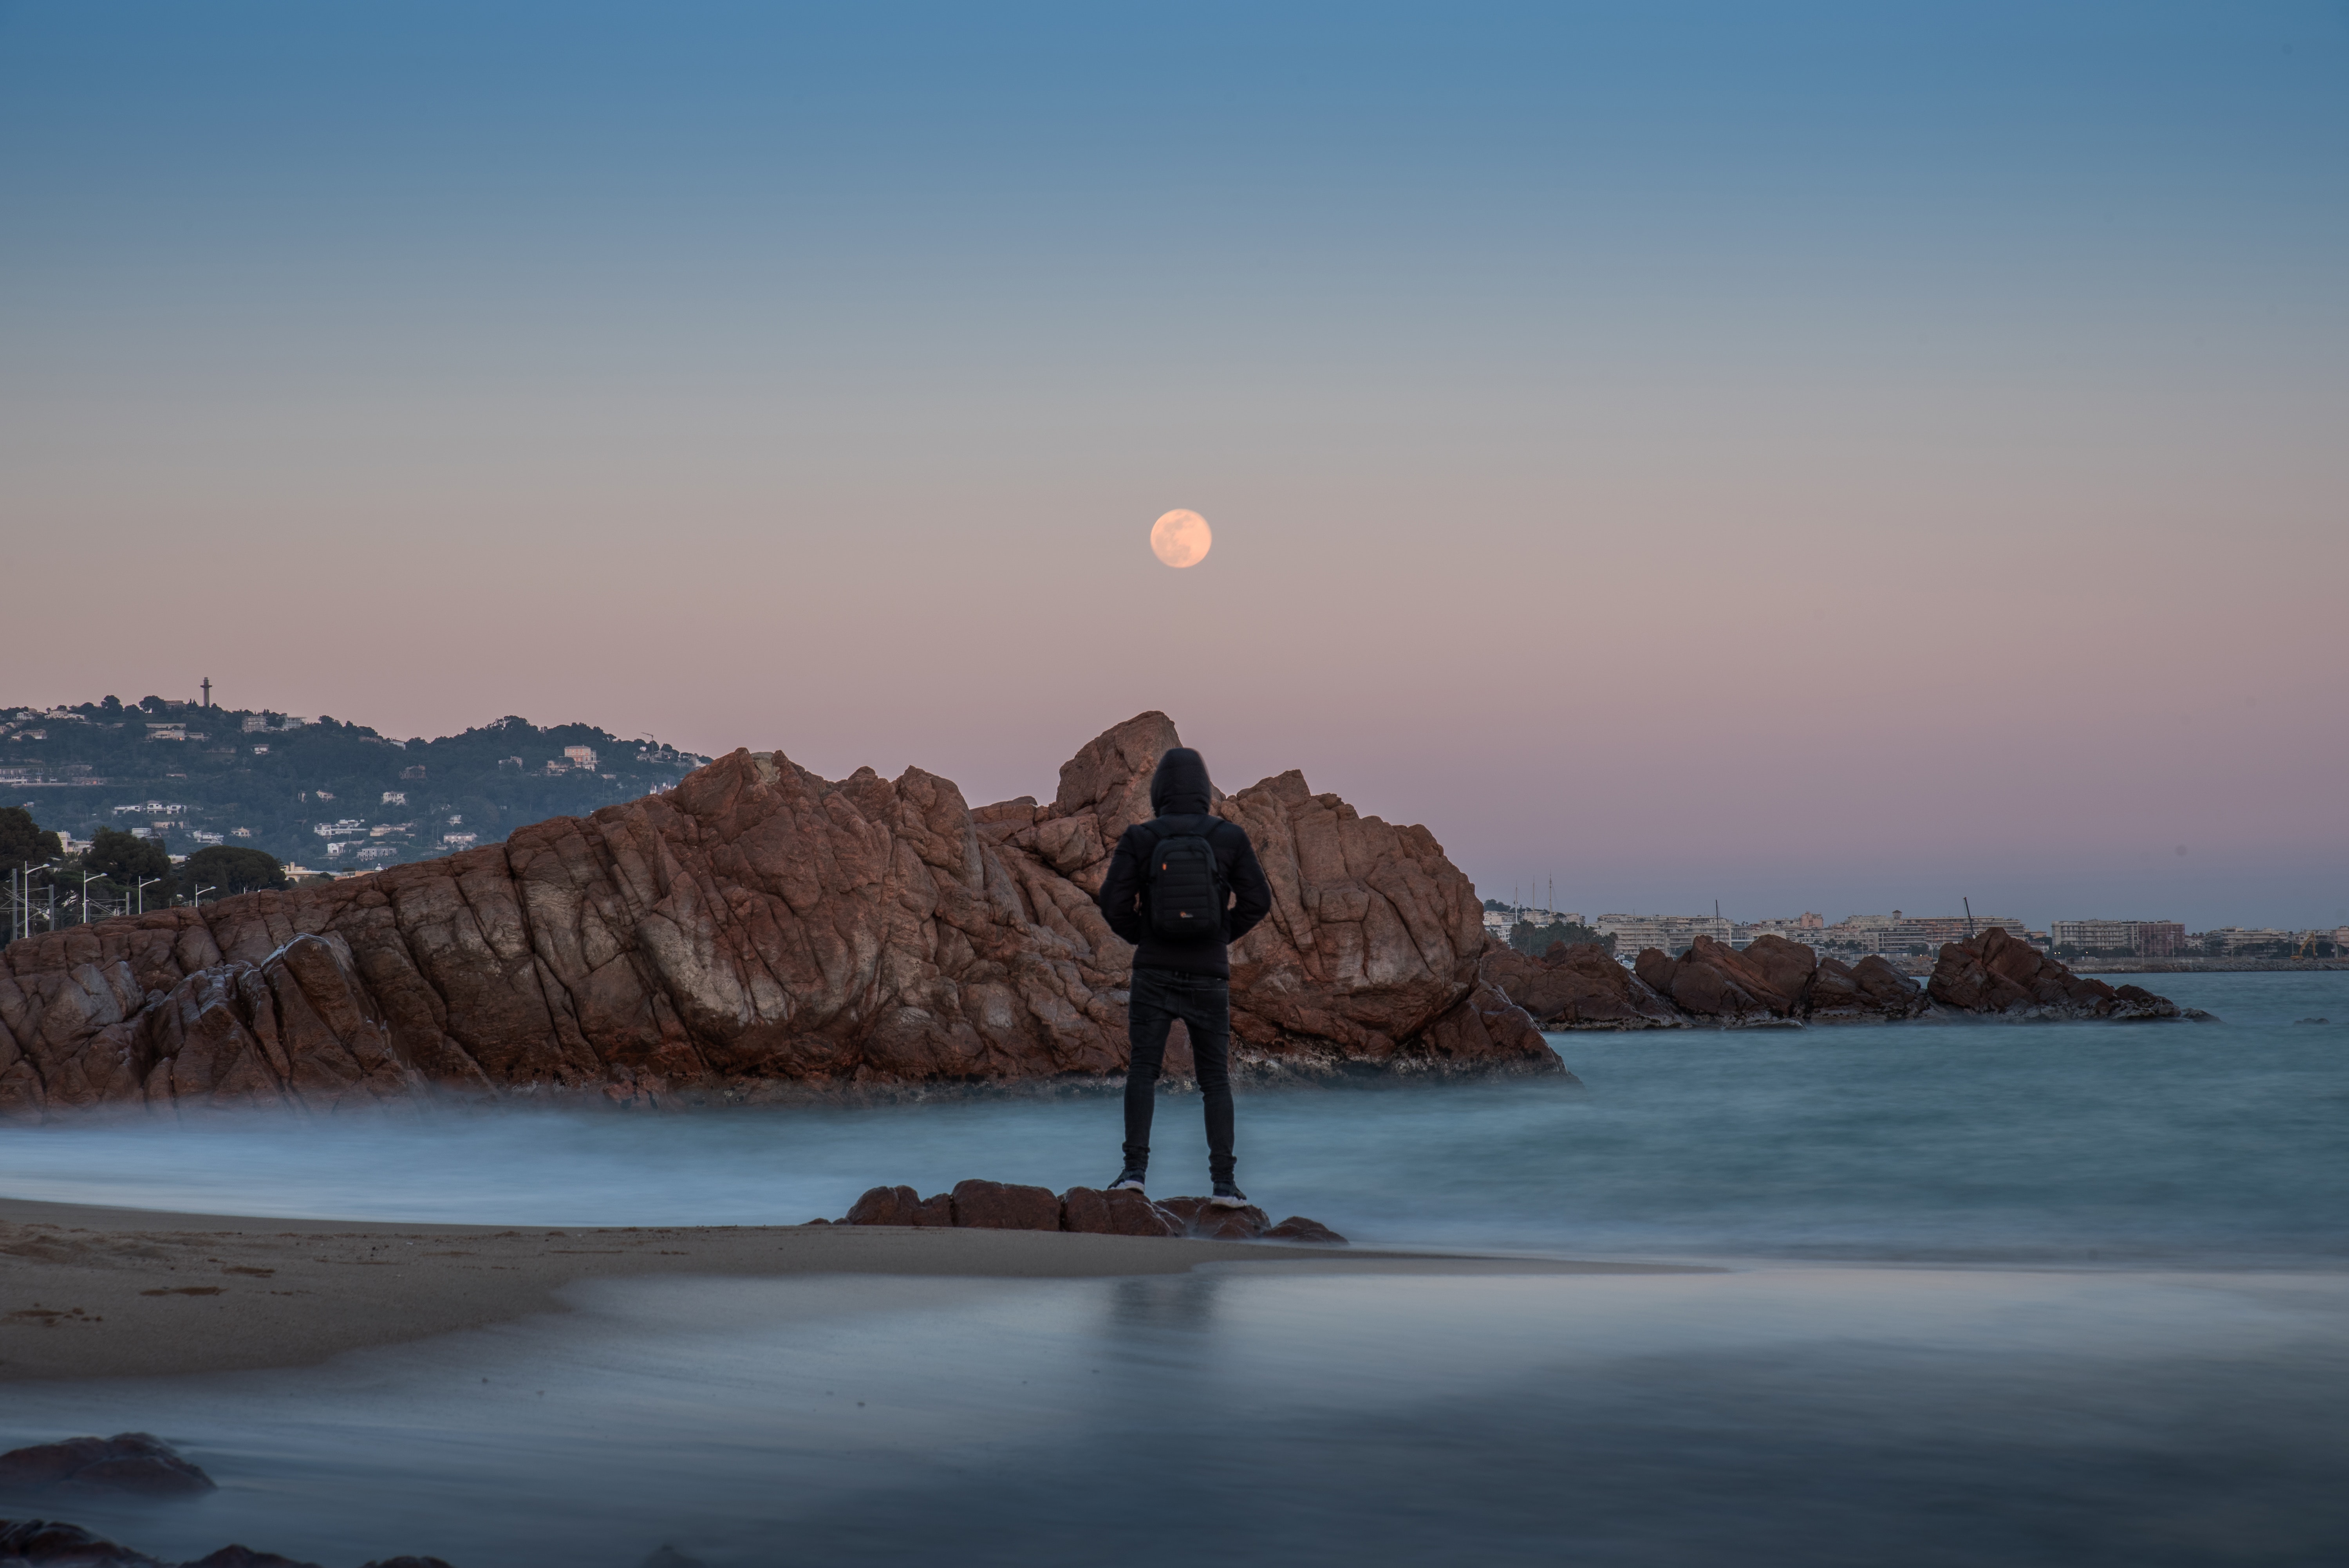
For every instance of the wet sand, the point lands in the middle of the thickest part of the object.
(89, 1291)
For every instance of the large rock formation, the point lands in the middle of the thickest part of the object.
(759, 931)
(1775, 981)
(1993, 973)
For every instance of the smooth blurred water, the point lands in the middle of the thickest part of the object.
(1793, 1413)
(2132, 1351)
(2214, 1142)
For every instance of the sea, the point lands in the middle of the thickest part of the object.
(1966, 1292)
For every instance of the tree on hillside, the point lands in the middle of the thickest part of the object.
(125, 857)
(226, 870)
(1528, 937)
(21, 839)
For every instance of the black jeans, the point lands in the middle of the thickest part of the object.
(1205, 1004)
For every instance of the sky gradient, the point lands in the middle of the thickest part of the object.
(1814, 457)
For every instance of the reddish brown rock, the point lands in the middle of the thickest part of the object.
(125, 1462)
(1578, 986)
(53, 1543)
(884, 1206)
(1005, 1206)
(1298, 1228)
(758, 932)
(1869, 991)
(1713, 981)
(1123, 1213)
(1995, 973)
(937, 1213)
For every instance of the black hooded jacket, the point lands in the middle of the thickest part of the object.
(1181, 794)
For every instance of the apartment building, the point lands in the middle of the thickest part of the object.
(2138, 938)
(1672, 933)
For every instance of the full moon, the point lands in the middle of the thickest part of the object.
(1181, 538)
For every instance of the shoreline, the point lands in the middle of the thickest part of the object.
(96, 1292)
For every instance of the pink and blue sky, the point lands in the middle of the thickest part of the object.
(1815, 457)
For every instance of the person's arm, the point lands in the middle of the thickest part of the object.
(1251, 894)
(1120, 893)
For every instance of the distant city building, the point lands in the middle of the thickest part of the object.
(377, 853)
(580, 756)
(202, 837)
(1897, 933)
(395, 797)
(1672, 933)
(255, 723)
(2138, 938)
(461, 841)
(261, 752)
(167, 732)
(2228, 941)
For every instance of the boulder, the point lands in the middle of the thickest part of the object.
(1869, 991)
(756, 934)
(1123, 1213)
(246, 1557)
(1578, 986)
(126, 1463)
(53, 1543)
(935, 1213)
(1714, 982)
(1298, 1228)
(1993, 973)
(1005, 1206)
(884, 1206)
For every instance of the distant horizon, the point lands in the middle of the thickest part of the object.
(1538, 890)
(1820, 455)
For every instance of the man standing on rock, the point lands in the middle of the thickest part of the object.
(1182, 887)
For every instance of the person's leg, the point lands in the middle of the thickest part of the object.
(1147, 1021)
(1208, 1016)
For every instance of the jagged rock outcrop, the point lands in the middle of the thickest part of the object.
(1009, 1206)
(1775, 981)
(1995, 973)
(759, 932)
(1579, 985)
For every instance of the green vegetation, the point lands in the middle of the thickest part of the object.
(124, 857)
(225, 870)
(1528, 937)
(22, 841)
(325, 794)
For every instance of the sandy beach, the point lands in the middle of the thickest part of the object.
(95, 1292)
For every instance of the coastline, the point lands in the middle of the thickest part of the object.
(95, 1292)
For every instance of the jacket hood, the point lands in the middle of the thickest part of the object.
(1181, 784)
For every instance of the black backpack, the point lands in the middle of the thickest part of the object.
(1186, 894)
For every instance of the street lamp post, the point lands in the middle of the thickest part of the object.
(199, 893)
(141, 892)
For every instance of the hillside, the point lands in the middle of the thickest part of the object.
(322, 793)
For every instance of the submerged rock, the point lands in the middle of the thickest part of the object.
(760, 932)
(53, 1543)
(126, 1463)
(999, 1206)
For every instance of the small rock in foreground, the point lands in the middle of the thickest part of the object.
(126, 1462)
(1007, 1206)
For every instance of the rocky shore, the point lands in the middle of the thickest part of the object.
(760, 932)
(1782, 983)
(1009, 1206)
